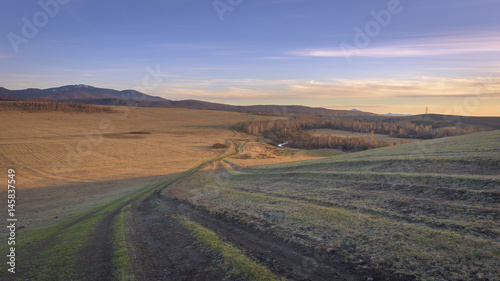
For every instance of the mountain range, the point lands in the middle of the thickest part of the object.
(75, 92)
(100, 96)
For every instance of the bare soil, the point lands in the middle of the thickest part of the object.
(292, 261)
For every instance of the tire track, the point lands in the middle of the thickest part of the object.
(98, 253)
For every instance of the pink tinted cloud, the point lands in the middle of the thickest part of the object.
(429, 46)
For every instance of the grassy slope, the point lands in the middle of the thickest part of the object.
(437, 120)
(428, 209)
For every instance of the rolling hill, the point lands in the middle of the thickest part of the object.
(436, 120)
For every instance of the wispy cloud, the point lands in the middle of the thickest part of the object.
(420, 87)
(452, 95)
(415, 47)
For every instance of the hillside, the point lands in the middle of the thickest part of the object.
(437, 120)
(486, 122)
(427, 210)
(72, 92)
(98, 96)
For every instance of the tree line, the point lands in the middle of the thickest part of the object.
(292, 131)
(393, 128)
(52, 106)
(304, 140)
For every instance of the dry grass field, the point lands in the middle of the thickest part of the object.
(69, 162)
(56, 148)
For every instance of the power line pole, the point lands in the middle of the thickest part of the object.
(426, 110)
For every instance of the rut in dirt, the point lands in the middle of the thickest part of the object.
(294, 262)
(98, 253)
(166, 252)
(96, 256)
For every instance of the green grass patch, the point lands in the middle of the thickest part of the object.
(123, 257)
(59, 259)
(235, 261)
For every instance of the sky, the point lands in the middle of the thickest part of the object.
(381, 56)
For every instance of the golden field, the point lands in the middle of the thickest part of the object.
(68, 162)
(56, 148)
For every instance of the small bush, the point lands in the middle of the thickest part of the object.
(219, 145)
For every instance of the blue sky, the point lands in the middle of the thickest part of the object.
(378, 56)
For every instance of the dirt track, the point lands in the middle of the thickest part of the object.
(165, 249)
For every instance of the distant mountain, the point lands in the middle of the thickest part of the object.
(72, 92)
(354, 109)
(91, 95)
